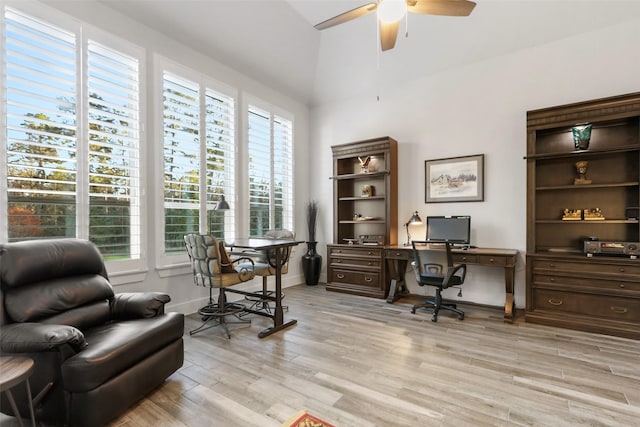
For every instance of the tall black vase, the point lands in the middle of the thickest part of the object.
(311, 264)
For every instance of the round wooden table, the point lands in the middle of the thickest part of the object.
(13, 371)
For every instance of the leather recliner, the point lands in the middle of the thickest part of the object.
(96, 353)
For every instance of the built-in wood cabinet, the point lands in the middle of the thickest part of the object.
(566, 286)
(365, 184)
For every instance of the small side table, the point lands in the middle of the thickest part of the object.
(13, 371)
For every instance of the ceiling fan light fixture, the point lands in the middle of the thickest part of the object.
(391, 10)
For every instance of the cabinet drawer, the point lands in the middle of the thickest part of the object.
(464, 258)
(610, 307)
(587, 267)
(355, 262)
(360, 252)
(356, 277)
(549, 280)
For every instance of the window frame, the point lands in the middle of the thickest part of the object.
(163, 64)
(82, 33)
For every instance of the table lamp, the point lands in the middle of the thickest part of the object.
(415, 219)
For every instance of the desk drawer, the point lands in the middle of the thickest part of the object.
(362, 278)
(398, 254)
(492, 260)
(465, 259)
(609, 307)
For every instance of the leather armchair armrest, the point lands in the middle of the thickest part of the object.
(31, 337)
(135, 305)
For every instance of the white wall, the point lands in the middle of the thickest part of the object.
(178, 281)
(478, 108)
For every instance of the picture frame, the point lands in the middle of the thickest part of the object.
(454, 179)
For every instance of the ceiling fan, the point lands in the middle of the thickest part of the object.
(390, 12)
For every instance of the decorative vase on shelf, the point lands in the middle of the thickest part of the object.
(581, 136)
(311, 264)
(311, 261)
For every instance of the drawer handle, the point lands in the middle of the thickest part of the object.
(464, 258)
(339, 251)
(552, 266)
(492, 260)
(369, 253)
(555, 301)
(622, 270)
(369, 263)
(619, 310)
(552, 279)
(368, 279)
(622, 285)
(338, 261)
(398, 254)
(340, 276)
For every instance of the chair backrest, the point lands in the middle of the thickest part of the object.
(203, 251)
(280, 233)
(431, 260)
(61, 281)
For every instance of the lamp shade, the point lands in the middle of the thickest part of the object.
(222, 204)
(415, 219)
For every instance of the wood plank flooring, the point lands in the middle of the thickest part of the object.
(361, 362)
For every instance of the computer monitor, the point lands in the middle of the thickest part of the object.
(452, 229)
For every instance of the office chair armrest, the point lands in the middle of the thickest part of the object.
(455, 269)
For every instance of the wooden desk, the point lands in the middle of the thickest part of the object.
(277, 253)
(398, 257)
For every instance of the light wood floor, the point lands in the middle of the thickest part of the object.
(361, 362)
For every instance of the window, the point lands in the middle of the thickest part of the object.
(72, 160)
(198, 160)
(270, 145)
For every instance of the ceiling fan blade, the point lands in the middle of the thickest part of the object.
(347, 16)
(388, 34)
(441, 7)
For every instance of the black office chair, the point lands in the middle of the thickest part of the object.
(433, 266)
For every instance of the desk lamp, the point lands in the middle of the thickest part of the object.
(415, 219)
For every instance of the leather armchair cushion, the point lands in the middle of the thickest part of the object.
(83, 317)
(48, 298)
(115, 347)
(32, 261)
(37, 337)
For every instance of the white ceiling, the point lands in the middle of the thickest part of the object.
(274, 42)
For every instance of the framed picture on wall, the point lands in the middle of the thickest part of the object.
(455, 179)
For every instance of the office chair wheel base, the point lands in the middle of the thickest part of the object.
(413, 310)
(434, 318)
(461, 316)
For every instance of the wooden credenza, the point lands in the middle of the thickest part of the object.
(356, 270)
(596, 294)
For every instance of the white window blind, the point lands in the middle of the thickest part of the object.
(114, 167)
(72, 161)
(197, 171)
(181, 159)
(220, 172)
(270, 148)
(41, 108)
